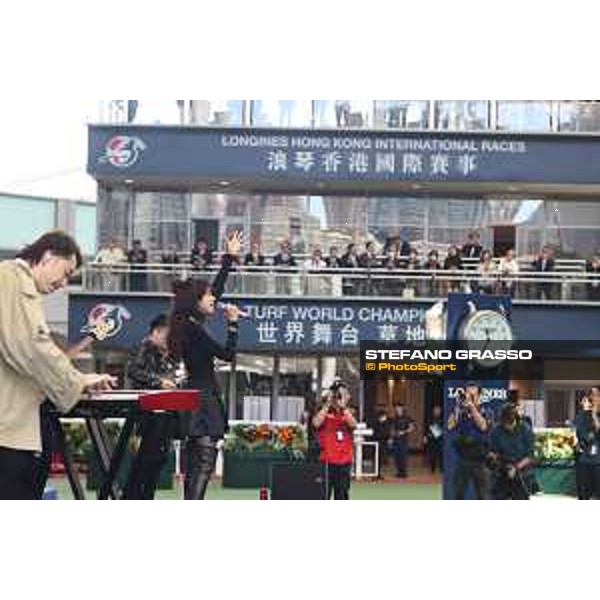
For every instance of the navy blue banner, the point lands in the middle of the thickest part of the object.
(272, 326)
(322, 327)
(310, 156)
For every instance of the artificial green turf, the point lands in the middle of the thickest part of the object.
(360, 491)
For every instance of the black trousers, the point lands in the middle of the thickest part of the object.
(400, 450)
(435, 454)
(156, 435)
(201, 458)
(20, 474)
(338, 482)
(588, 480)
(471, 472)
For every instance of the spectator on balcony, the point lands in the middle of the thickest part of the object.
(509, 268)
(473, 247)
(111, 256)
(169, 260)
(433, 261)
(316, 285)
(411, 263)
(593, 269)
(285, 258)
(369, 259)
(544, 263)
(284, 281)
(433, 264)
(402, 246)
(487, 271)
(392, 262)
(350, 259)
(137, 258)
(170, 257)
(333, 260)
(254, 258)
(253, 282)
(315, 262)
(453, 262)
(392, 259)
(202, 256)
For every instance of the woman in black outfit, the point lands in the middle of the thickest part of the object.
(195, 302)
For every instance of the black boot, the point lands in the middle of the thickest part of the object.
(201, 456)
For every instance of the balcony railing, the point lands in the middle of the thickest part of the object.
(568, 284)
(441, 115)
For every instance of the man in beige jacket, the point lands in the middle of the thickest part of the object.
(32, 367)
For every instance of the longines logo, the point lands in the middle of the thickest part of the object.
(487, 394)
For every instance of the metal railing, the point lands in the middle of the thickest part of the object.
(441, 115)
(561, 286)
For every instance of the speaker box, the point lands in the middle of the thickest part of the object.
(298, 481)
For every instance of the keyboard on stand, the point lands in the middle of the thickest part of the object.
(130, 406)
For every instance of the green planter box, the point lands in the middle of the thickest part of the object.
(557, 478)
(165, 482)
(251, 470)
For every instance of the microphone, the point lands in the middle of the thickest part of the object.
(222, 306)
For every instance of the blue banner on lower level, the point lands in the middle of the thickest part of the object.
(328, 327)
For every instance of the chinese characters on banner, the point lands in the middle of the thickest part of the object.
(379, 163)
(342, 328)
(369, 156)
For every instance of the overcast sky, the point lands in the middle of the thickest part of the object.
(43, 147)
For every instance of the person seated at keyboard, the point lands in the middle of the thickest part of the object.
(152, 368)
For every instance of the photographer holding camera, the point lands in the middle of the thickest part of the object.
(587, 427)
(511, 456)
(335, 425)
(470, 424)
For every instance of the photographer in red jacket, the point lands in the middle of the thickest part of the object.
(335, 424)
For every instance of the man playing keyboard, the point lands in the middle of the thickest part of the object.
(32, 367)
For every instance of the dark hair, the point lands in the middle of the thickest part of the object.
(57, 242)
(337, 385)
(158, 322)
(185, 305)
(508, 414)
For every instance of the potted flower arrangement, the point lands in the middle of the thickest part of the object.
(555, 460)
(251, 450)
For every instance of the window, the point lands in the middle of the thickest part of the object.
(85, 228)
(399, 114)
(462, 114)
(343, 113)
(524, 115)
(281, 113)
(579, 115)
(23, 220)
